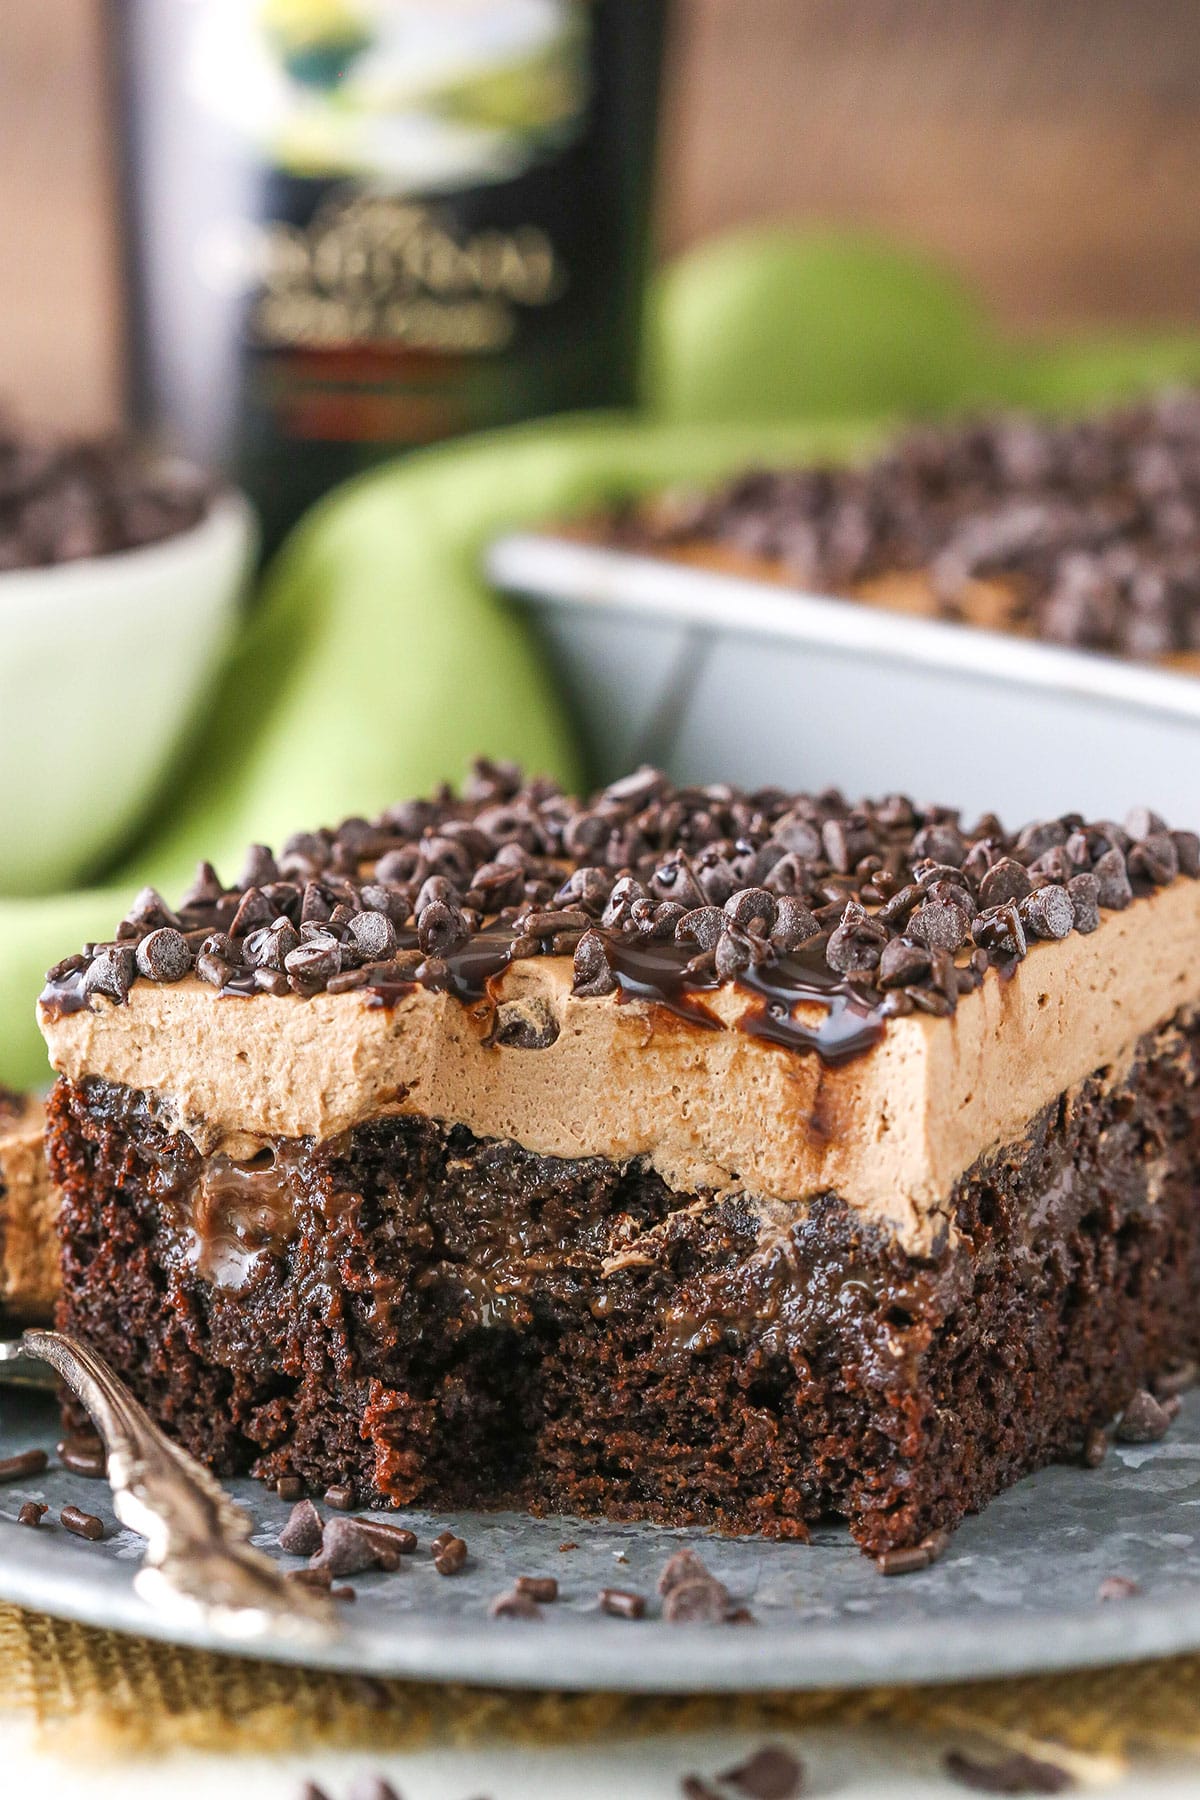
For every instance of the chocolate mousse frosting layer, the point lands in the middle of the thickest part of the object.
(777, 993)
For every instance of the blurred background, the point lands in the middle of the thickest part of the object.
(1048, 152)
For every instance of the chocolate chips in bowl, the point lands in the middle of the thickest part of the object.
(121, 570)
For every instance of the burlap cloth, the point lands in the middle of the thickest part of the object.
(90, 1693)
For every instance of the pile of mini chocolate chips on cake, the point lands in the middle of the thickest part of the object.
(64, 502)
(904, 907)
(1095, 524)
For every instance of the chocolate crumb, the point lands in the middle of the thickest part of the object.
(1016, 1774)
(771, 1773)
(302, 1534)
(694, 1787)
(568, 1546)
(1144, 1421)
(26, 1462)
(340, 1496)
(82, 1524)
(310, 1578)
(621, 1603)
(343, 1593)
(543, 1588)
(32, 1513)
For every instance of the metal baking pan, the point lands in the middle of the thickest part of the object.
(720, 677)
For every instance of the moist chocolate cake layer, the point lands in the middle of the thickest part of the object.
(457, 1321)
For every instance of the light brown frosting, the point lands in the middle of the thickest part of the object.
(890, 1131)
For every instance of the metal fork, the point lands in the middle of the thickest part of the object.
(199, 1564)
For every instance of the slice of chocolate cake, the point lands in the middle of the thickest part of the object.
(680, 1154)
(28, 1205)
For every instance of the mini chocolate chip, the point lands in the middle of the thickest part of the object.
(700, 1602)
(846, 840)
(213, 969)
(164, 955)
(259, 868)
(1154, 859)
(752, 907)
(311, 963)
(1047, 912)
(344, 1549)
(939, 925)
(269, 947)
(1144, 1421)
(903, 964)
(1001, 931)
(1084, 893)
(301, 1536)
(441, 929)
(1141, 822)
(373, 935)
(254, 910)
(733, 954)
(1114, 890)
(1005, 880)
(854, 948)
(112, 974)
(593, 976)
(703, 926)
(682, 1565)
(1187, 852)
(794, 925)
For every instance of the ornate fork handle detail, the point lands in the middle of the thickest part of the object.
(199, 1562)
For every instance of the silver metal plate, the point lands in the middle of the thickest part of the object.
(1015, 1593)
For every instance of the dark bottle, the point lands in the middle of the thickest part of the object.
(356, 226)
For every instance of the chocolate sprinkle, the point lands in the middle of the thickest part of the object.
(32, 1513)
(621, 1603)
(25, 1462)
(82, 1524)
(816, 909)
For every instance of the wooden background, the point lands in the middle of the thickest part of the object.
(1050, 149)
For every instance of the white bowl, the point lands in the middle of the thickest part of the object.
(102, 665)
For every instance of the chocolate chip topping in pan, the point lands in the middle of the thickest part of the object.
(654, 891)
(1083, 533)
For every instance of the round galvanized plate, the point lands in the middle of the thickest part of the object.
(1016, 1592)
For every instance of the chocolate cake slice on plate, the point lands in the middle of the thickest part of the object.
(676, 1154)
